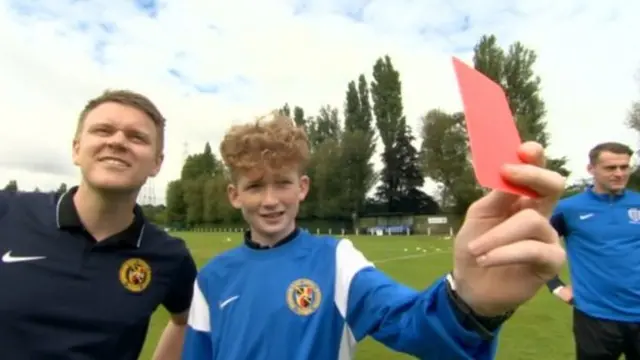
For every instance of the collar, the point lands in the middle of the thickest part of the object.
(67, 218)
(254, 245)
(606, 197)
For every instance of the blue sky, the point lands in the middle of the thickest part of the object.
(209, 64)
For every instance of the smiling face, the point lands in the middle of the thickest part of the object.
(117, 148)
(266, 160)
(269, 201)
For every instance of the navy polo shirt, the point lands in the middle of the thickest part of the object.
(66, 296)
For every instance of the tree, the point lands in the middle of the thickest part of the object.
(633, 116)
(513, 70)
(411, 198)
(386, 92)
(12, 186)
(325, 126)
(576, 187)
(285, 110)
(298, 117)
(325, 196)
(176, 206)
(445, 159)
(358, 146)
(633, 123)
(62, 189)
(401, 175)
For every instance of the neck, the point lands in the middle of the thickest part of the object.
(270, 240)
(104, 215)
(604, 191)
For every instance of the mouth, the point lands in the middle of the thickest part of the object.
(273, 215)
(114, 161)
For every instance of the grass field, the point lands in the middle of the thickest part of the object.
(539, 330)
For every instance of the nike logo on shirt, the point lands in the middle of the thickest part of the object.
(228, 301)
(9, 259)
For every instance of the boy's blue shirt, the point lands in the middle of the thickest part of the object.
(315, 298)
(602, 236)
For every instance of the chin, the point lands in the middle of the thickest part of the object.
(274, 229)
(114, 185)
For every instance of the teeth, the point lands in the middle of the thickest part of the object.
(115, 162)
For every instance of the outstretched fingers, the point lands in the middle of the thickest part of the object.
(525, 224)
(546, 258)
(525, 238)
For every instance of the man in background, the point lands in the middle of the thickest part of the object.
(601, 228)
(82, 272)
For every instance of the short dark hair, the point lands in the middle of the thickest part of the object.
(612, 147)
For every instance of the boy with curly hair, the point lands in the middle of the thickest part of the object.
(286, 294)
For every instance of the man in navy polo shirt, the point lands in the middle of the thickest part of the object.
(601, 228)
(82, 272)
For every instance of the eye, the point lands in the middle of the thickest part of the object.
(101, 131)
(139, 139)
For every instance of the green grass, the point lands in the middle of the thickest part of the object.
(539, 330)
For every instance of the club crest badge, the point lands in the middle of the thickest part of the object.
(634, 215)
(303, 297)
(135, 275)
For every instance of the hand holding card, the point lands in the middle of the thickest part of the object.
(493, 136)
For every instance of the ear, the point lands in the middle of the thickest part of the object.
(305, 182)
(75, 151)
(234, 196)
(158, 165)
(590, 168)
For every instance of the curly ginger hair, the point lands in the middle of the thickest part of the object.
(270, 143)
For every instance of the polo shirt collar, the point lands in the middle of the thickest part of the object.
(254, 245)
(606, 197)
(67, 218)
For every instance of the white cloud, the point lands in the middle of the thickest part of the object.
(260, 54)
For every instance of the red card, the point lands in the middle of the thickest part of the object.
(493, 136)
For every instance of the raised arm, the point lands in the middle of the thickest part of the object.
(424, 324)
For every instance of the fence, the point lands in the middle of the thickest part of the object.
(441, 225)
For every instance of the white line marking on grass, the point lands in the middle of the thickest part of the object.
(414, 256)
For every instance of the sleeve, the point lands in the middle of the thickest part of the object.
(197, 342)
(558, 222)
(178, 298)
(423, 324)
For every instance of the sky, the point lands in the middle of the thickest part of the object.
(209, 64)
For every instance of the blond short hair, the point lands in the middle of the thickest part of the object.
(126, 98)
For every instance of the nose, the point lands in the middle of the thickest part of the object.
(269, 198)
(117, 139)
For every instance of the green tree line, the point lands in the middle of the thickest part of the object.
(345, 185)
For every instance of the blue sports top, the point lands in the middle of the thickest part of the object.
(602, 235)
(315, 298)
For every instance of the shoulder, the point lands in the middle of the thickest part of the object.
(169, 245)
(573, 201)
(31, 203)
(632, 195)
(344, 248)
(222, 262)
(319, 242)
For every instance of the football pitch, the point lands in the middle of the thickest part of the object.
(539, 330)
